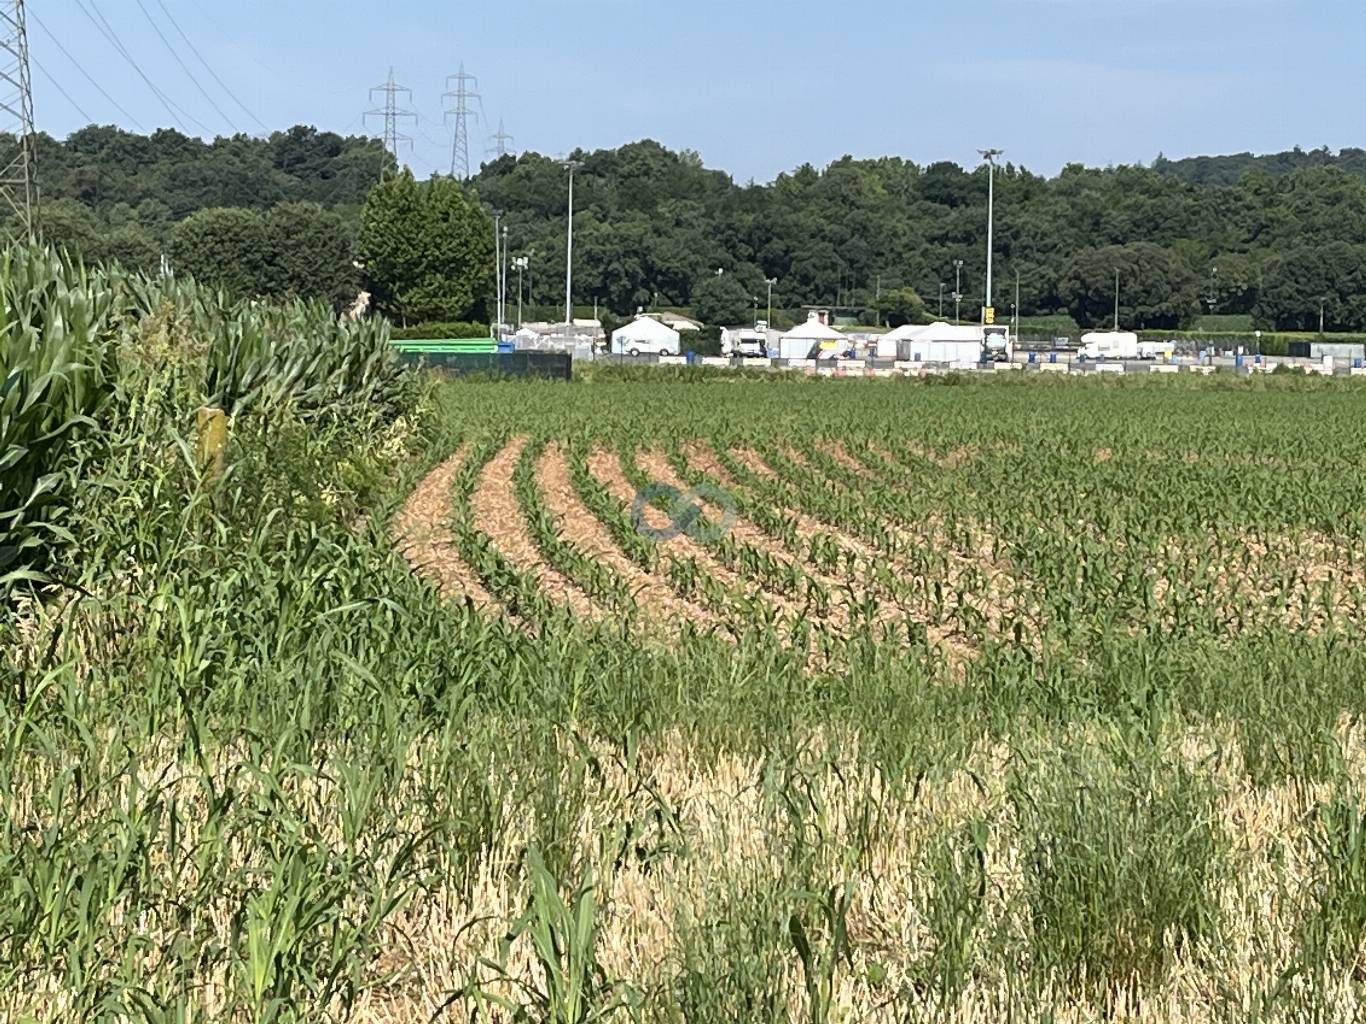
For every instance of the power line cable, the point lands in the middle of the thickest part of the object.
(185, 67)
(113, 35)
(52, 79)
(81, 68)
(208, 67)
(105, 29)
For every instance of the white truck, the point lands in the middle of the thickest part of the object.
(746, 341)
(996, 344)
(1122, 345)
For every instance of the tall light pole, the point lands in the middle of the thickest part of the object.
(957, 291)
(569, 253)
(497, 272)
(1116, 300)
(990, 156)
(756, 310)
(1017, 307)
(770, 282)
(941, 300)
(521, 263)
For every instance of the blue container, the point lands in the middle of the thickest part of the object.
(692, 357)
(1052, 357)
(1238, 359)
(1033, 357)
(507, 346)
(1356, 362)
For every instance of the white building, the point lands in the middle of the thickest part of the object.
(645, 335)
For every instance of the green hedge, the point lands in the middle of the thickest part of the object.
(447, 331)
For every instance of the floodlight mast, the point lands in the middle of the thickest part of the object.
(990, 155)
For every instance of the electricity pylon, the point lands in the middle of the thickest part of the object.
(19, 172)
(392, 114)
(461, 113)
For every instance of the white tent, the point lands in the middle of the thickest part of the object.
(645, 334)
(799, 342)
(938, 342)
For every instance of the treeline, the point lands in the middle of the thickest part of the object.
(293, 199)
(654, 226)
(1280, 238)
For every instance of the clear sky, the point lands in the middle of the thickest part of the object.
(756, 86)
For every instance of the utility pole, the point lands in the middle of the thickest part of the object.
(958, 291)
(460, 113)
(1116, 300)
(503, 278)
(19, 175)
(521, 263)
(990, 156)
(392, 115)
(771, 281)
(569, 253)
(941, 300)
(497, 272)
(501, 141)
(1017, 307)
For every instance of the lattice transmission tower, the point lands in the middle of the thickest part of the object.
(393, 114)
(460, 113)
(502, 141)
(19, 173)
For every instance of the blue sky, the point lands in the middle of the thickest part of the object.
(756, 86)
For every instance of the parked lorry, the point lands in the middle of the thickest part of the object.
(996, 344)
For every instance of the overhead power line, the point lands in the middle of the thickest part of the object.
(105, 29)
(185, 67)
(52, 37)
(208, 67)
(52, 80)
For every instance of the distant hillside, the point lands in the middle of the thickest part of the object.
(1223, 171)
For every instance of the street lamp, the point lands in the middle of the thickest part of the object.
(756, 310)
(941, 300)
(957, 291)
(771, 281)
(990, 156)
(521, 263)
(569, 254)
(497, 272)
(503, 285)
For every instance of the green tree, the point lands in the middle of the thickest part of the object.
(226, 247)
(1156, 289)
(900, 306)
(312, 253)
(132, 247)
(426, 250)
(720, 299)
(1300, 282)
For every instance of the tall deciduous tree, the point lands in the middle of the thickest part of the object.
(225, 247)
(1156, 289)
(426, 250)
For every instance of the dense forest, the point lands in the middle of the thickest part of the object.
(1281, 238)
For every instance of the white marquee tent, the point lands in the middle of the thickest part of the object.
(938, 342)
(799, 342)
(646, 334)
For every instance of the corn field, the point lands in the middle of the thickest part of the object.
(1010, 700)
